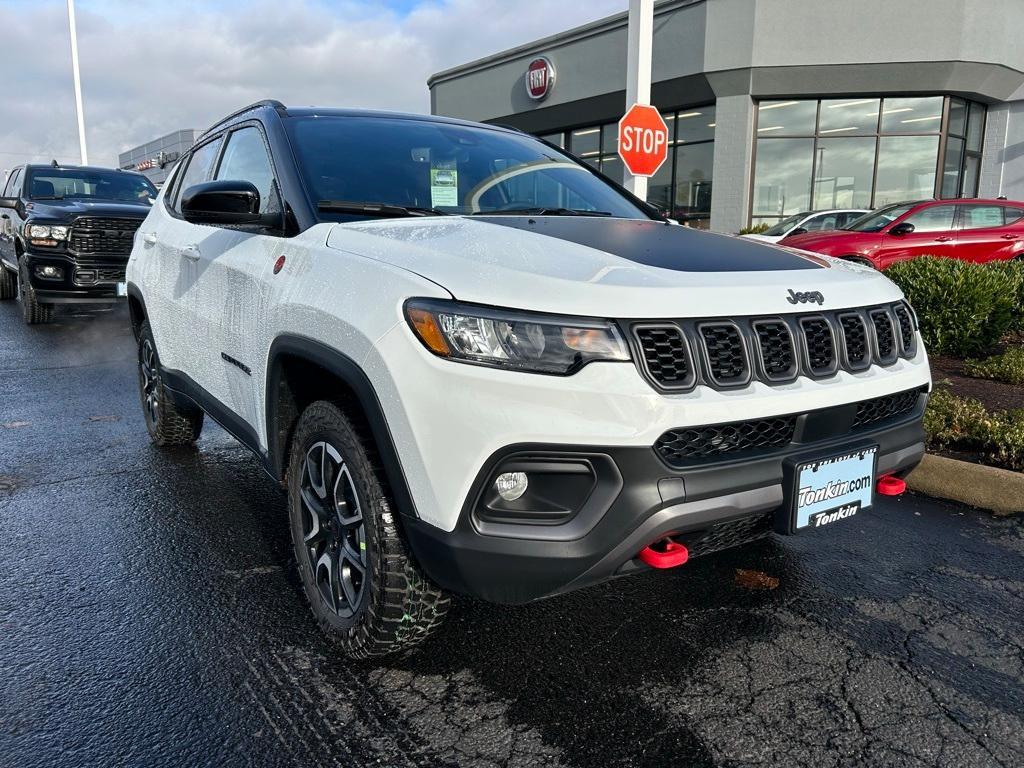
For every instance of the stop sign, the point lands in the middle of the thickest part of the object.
(643, 140)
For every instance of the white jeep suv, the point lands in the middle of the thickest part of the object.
(479, 366)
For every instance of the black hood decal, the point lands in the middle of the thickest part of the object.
(656, 244)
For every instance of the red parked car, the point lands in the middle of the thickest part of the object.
(972, 230)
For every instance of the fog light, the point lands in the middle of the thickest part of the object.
(511, 485)
(49, 272)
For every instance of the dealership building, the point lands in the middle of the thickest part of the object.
(780, 106)
(156, 158)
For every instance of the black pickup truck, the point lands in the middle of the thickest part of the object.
(66, 233)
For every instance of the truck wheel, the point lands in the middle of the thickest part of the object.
(168, 424)
(8, 284)
(32, 311)
(358, 574)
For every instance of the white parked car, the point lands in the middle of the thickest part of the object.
(809, 221)
(479, 366)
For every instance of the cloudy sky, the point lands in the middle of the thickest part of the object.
(153, 66)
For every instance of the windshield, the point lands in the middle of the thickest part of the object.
(878, 220)
(786, 224)
(68, 183)
(439, 168)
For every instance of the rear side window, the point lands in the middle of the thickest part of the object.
(246, 159)
(821, 223)
(936, 218)
(200, 166)
(981, 216)
(1014, 215)
(13, 188)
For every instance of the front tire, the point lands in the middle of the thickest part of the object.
(168, 424)
(8, 284)
(33, 312)
(365, 590)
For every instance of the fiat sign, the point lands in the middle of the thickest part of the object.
(643, 140)
(540, 78)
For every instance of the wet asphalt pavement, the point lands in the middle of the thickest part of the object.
(150, 616)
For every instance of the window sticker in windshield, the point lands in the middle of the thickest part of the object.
(444, 187)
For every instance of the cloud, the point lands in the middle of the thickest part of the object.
(150, 67)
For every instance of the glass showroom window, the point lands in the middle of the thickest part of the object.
(862, 153)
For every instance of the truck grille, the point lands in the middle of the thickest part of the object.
(677, 355)
(686, 446)
(91, 235)
(91, 276)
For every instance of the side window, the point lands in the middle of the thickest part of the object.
(821, 223)
(246, 159)
(200, 164)
(13, 188)
(848, 218)
(981, 216)
(1013, 215)
(936, 218)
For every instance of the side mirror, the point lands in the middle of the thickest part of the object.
(226, 202)
(903, 228)
(8, 202)
(796, 231)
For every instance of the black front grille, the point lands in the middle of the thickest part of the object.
(679, 447)
(727, 361)
(108, 237)
(666, 355)
(855, 338)
(775, 344)
(884, 338)
(906, 327)
(732, 533)
(94, 276)
(821, 345)
(888, 407)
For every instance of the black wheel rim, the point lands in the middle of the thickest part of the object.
(333, 532)
(150, 380)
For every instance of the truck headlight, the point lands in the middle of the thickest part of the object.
(46, 232)
(508, 338)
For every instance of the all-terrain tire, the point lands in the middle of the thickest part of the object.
(168, 424)
(33, 312)
(396, 606)
(8, 284)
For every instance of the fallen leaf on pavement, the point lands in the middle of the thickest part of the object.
(755, 579)
(15, 424)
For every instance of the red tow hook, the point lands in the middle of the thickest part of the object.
(668, 555)
(890, 485)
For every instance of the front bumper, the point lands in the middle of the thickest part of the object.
(637, 500)
(92, 281)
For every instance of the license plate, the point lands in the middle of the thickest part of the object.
(834, 489)
(122, 289)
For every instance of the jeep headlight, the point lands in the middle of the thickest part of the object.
(46, 232)
(506, 338)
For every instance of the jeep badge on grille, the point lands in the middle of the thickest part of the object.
(812, 297)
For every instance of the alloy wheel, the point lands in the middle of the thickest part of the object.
(333, 530)
(150, 381)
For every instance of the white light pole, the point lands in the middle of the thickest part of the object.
(78, 82)
(640, 36)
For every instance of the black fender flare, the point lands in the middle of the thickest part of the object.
(134, 293)
(348, 371)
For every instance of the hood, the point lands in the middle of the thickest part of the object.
(822, 241)
(608, 267)
(68, 209)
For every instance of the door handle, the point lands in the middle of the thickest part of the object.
(190, 252)
(149, 238)
(1010, 237)
(943, 239)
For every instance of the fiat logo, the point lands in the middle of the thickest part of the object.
(540, 78)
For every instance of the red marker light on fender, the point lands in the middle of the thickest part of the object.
(279, 264)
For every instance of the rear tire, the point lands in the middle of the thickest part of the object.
(8, 284)
(364, 588)
(168, 424)
(33, 312)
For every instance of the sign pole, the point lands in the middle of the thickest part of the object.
(640, 37)
(78, 82)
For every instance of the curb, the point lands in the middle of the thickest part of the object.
(998, 490)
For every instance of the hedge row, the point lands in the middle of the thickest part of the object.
(964, 424)
(964, 308)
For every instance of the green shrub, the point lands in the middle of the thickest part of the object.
(962, 423)
(1015, 269)
(756, 229)
(964, 308)
(1008, 367)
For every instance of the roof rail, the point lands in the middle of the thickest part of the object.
(273, 103)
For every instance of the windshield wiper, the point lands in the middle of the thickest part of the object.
(375, 209)
(48, 197)
(542, 212)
